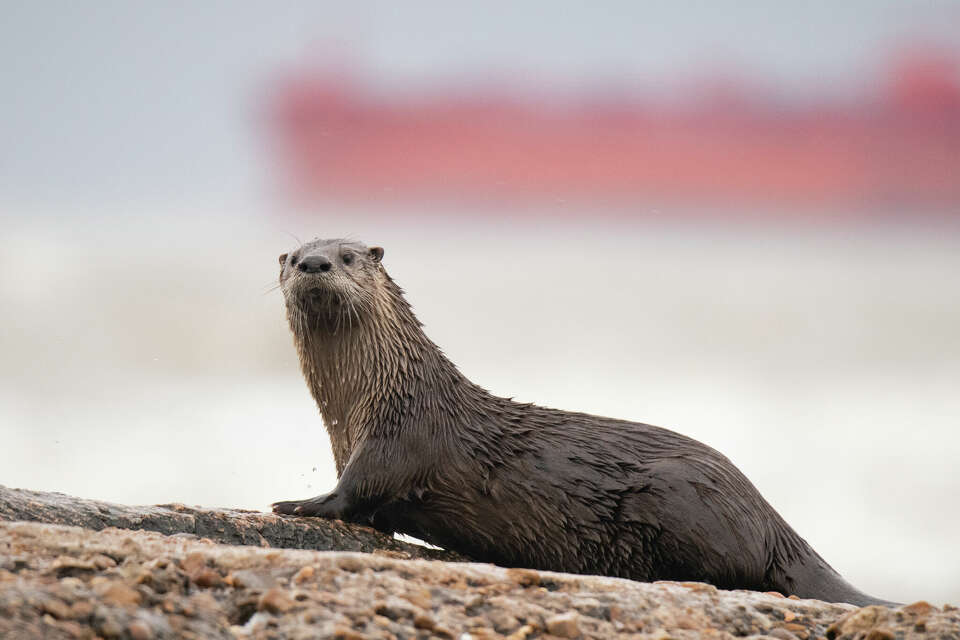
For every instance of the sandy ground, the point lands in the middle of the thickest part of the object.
(144, 359)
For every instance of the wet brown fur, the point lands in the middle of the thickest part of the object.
(422, 450)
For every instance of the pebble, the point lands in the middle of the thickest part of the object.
(207, 578)
(395, 609)
(118, 594)
(424, 621)
(56, 608)
(75, 629)
(799, 630)
(139, 630)
(346, 633)
(68, 566)
(524, 577)
(110, 628)
(81, 609)
(699, 587)
(193, 562)
(275, 601)
(522, 632)
(351, 563)
(565, 625)
(203, 603)
(419, 597)
(919, 608)
(103, 562)
(251, 579)
(382, 621)
(304, 574)
(502, 621)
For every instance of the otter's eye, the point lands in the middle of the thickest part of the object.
(347, 258)
(293, 261)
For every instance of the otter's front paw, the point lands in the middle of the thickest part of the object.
(326, 506)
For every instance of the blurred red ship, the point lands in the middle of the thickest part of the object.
(895, 149)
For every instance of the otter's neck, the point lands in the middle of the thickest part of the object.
(375, 375)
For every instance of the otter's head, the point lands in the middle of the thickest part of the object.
(330, 283)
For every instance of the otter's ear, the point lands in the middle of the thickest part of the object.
(376, 253)
(283, 259)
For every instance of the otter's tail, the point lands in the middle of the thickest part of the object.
(831, 587)
(803, 573)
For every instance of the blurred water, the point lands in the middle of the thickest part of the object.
(145, 361)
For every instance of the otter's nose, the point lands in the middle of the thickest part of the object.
(314, 264)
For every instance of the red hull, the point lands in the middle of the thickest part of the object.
(337, 140)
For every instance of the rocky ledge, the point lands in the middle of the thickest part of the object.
(198, 573)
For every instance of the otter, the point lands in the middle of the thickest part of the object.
(422, 450)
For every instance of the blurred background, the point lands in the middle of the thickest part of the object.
(739, 220)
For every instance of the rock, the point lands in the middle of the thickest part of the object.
(220, 525)
(917, 620)
(70, 582)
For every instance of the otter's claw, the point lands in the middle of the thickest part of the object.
(287, 508)
(324, 506)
